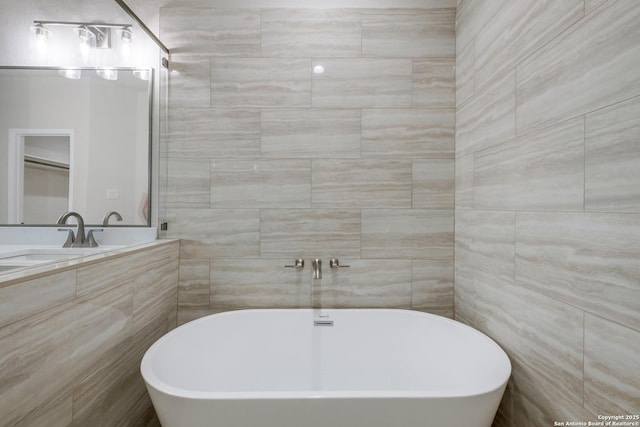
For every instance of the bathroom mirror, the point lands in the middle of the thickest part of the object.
(75, 140)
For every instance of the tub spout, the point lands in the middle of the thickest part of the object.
(317, 268)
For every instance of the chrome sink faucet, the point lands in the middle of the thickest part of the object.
(317, 268)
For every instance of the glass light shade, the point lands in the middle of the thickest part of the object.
(108, 73)
(70, 73)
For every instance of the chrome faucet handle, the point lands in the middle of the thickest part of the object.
(91, 241)
(335, 263)
(70, 237)
(298, 264)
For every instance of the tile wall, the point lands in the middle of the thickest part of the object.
(547, 234)
(268, 162)
(73, 340)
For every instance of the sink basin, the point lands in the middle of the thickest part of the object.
(29, 257)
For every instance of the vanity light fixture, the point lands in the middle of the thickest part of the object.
(91, 35)
(142, 74)
(71, 73)
(108, 73)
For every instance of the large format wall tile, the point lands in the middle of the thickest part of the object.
(485, 240)
(407, 233)
(543, 334)
(364, 284)
(488, 117)
(188, 182)
(464, 181)
(210, 233)
(612, 175)
(412, 133)
(557, 82)
(361, 183)
(464, 69)
(525, 173)
(304, 133)
(311, 32)
(519, 29)
(68, 339)
(434, 83)
(210, 31)
(258, 283)
(260, 82)
(193, 285)
(213, 132)
(363, 83)
(612, 378)
(586, 257)
(189, 81)
(433, 184)
(432, 286)
(309, 233)
(428, 34)
(261, 183)
(28, 298)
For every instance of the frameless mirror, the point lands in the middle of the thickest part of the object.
(75, 140)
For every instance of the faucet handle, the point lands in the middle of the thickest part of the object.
(298, 264)
(91, 241)
(335, 263)
(70, 237)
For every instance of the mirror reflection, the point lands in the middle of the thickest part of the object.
(74, 140)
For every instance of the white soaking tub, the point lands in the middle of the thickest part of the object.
(321, 368)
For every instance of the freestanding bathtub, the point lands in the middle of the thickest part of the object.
(325, 368)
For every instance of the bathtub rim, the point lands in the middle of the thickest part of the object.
(160, 386)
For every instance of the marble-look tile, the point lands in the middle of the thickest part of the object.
(188, 183)
(213, 132)
(464, 182)
(306, 133)
(260, 82)
(433, 184)
(487, 118)
(538, 171)
(28, 298)
(364, 284)
(473, 16)
(363, 83)
(412, 133)
(265, 183)
(558, 81)
(464, 71)
(57, 412)
(70, 339)
(426, 34)
(211, 233)
(189, 81)
(434, 83)
(463, 292)
(538, 402)
(544, 335)
(517, 30)
(186, 315)
(361, 183)
(612, 175)
(258, 283)
(591, 5)
(585, 257)
(211, 31)
(485, 240)
(407, 233)
(311, 33)
(432, 286)
(193, 285)
(612, 377)
(309, 233)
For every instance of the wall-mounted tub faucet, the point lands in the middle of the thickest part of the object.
(297, 264)
(317, 268)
